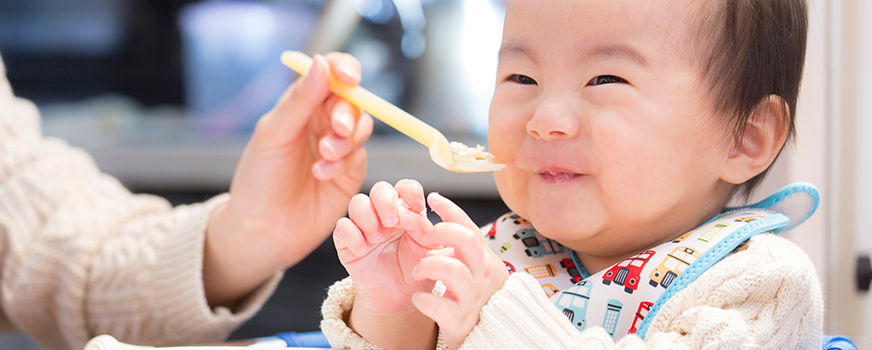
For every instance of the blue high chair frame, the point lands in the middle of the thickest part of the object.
(314, 339)
(317, 340)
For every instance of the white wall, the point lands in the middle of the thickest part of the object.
(834, 152)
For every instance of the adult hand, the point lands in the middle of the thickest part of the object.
(379, 244)
(302, 165)
(470, 270)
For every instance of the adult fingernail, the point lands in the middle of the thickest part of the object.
(348, 70)
(375, 237)
(324, 169)
(314, 72)
(344, 117)
(333, 145)
(390, 220)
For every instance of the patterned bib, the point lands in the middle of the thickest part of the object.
(624, 298)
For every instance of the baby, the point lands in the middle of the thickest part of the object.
(624, 125)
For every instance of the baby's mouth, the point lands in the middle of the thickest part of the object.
(558, 176)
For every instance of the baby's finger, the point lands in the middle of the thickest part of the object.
(468, 246)
(450, 212)
(345, 67)
(412, 193)
(452, 272)
(384, 200)
(442, 310)
(362, 213)
(347, 236)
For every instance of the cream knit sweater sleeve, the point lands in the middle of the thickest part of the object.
(81, 256)
(764, 297)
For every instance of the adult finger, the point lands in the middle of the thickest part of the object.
(326, 170)
(299, 101)
(343, 116)
(336, 145)
(347, 236)
(412, 193)
(362, 213)
(345, 67)
(384, 199)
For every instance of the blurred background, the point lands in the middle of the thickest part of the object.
(164, 94)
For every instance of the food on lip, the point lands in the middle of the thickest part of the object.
(465, 154)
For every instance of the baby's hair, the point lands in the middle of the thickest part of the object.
(752, 49)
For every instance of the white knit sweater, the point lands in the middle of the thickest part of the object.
(766, 296)
(81, 256)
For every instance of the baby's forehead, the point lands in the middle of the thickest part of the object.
(658, 28)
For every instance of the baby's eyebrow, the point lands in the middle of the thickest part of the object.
(619, 51)
(515, 50)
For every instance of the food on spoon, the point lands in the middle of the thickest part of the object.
(465, 154)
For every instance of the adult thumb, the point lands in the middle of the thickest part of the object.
(301, 99)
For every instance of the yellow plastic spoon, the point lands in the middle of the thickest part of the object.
(440, 149)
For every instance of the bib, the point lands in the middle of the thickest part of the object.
(624, 298)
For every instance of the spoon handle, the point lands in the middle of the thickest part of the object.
(369, 102)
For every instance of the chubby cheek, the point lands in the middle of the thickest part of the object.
(506, 134)
(638, 170)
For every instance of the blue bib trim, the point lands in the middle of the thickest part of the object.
(799, 200)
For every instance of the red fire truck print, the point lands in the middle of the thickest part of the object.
(569, 265)
(627, 272)
(535, 247)
(509, 267)
(492, 233)
(644, 307)
(672, 266)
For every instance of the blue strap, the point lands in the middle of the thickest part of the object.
(838, 342)
(304, 340)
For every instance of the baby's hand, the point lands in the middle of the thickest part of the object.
(381, 242)
(470, 271)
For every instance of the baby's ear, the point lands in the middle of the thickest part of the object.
(761, 140)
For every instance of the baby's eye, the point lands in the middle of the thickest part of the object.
(605, 79)
(521, 79)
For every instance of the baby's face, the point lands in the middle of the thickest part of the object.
(604, 124)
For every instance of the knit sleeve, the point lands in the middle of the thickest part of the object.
(82, 256)
(766, 296)
(340, 299)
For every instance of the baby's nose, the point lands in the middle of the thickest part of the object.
(553, 121)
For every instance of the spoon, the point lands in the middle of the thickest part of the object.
(440, 149)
